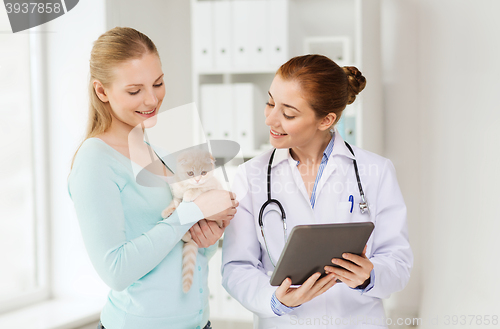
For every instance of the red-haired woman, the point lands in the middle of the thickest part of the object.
(313, 177)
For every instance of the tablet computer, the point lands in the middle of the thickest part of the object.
(311, 247)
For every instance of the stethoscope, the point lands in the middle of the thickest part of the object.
(363, 205)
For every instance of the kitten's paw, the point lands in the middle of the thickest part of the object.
(167, 212)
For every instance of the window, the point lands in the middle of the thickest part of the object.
(23, 255)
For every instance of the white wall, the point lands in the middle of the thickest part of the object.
(401, 130)
(167, 23)
(442, 107)
(459, 86)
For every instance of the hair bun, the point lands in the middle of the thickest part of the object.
(357, 82)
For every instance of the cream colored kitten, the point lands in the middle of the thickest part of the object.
(195, 175)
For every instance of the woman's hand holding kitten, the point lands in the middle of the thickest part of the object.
(217, 204)
(206, 233)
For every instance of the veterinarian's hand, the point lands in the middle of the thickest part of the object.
(217, 204)
(352, 274)
(206, 233)
(310, 289)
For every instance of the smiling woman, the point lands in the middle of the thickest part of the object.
(310, 159)
(125, 70)
(142, 98)
(136, 252)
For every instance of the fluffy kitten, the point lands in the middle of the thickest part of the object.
(194, 176)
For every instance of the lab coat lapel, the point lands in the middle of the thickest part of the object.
(339, 149)
(330, 168)
(279, 156)
(297, 178)
(284, 154)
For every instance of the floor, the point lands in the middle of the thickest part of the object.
(216, 324)
(220, 324)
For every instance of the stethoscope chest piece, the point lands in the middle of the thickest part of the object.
(363, 205)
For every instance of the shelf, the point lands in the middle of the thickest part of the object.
(238, 71)
(316, 26)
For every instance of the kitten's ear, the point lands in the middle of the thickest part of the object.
(211, 160)
(183, 161)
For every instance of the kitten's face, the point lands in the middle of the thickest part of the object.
(195, 167)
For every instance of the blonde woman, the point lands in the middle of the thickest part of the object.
(136, 252)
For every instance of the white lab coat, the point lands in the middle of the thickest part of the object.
(246, 267)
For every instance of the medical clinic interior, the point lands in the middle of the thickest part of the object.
(431, 105)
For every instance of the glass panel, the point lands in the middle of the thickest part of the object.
(17, 211)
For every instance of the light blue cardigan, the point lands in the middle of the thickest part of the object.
(135, 251)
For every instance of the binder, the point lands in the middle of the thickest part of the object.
(217, 111)
(258, 35)
(249, 121)
(277, 41)
(208, 102)
(222, 34)
(243, 109)
(225, 111)
(203, 35)
(242, 26)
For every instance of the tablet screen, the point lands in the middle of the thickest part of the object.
(311, 247)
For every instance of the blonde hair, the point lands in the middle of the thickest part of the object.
(111, 49)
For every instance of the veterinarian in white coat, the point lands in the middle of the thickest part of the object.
(313, 176)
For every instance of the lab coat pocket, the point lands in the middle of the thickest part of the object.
(343, 212)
